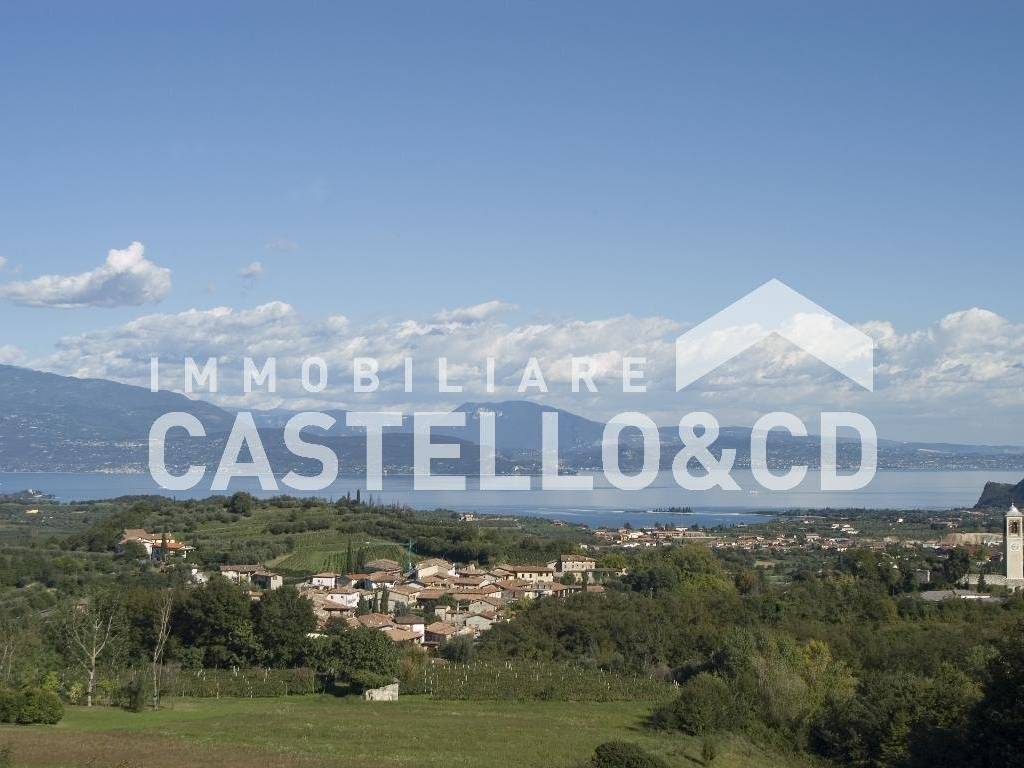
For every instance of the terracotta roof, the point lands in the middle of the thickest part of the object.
(400, 635)
(441, 628)
(383, 564)
(375, 620)
(409, 620)
(405, 589)
(431, 594)
(433, 561)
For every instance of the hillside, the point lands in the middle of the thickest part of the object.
(51, 423)
(65, 424)
(1001, 495)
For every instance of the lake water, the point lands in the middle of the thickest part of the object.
(604, 505)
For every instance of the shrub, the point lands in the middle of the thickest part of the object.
(133, 697)
(458, 649)
(9, 703)
(365, 679)
(38, 706)
(708, 751)
(623, 754)
(701, 707)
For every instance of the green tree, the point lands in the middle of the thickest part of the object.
(998, 719)
(703, 706)
(624, 754)
(215, 622)
(956, 566)
(241, 503)
(282, 619)
(355, 655)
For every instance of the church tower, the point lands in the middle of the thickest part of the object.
(1013, 545)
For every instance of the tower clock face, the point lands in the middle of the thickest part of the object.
(1015, 546)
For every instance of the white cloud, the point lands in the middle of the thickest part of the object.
(253, 271)
(961, 378)
(281, 245)
(126, 278)
(11, 355)
(3, 262)
(474, 313)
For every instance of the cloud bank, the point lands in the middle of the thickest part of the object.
(961, 378)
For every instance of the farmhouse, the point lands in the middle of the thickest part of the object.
(251, 575)
(433, 567)
(158, 546)
(439, 632)
(573, 564)
(326, 580)
(529, 572)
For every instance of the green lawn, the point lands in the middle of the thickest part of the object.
(349, 733)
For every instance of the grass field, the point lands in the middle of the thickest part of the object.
(326, 732)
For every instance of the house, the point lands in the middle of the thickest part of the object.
(326, 580)
(345, 598)
(429, 597)
(240, 574)
(470, 582)
(412, 623)
(381, 580)
(480, 622)
(484, 604)
(531, 572)
(573, 564)
(331, 610)
(564, 590)
(158, 546)
(383, 564)
(433, 567)
(435, 581)
(402, 596)
(375, 620)
(398, 635)
(265, 580)
(251, 575)
(439, 633)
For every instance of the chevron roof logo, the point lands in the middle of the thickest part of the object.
(774, 308)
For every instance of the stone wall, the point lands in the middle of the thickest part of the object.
(387, 693)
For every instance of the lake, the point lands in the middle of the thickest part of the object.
(604, 505)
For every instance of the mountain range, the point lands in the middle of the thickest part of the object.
(65, 424)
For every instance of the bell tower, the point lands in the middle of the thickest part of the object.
(1013, 545)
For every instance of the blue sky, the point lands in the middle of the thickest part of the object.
(580, 160)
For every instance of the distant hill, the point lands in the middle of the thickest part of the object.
(518, 427)
(1001, 496)
(65, 424)
(54, 423)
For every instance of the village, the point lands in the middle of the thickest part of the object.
(431, 601)
(424, 603)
